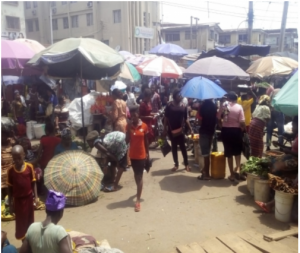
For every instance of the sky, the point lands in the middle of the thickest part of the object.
(230, 14)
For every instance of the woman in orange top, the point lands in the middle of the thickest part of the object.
(137, 136)
(119, 112)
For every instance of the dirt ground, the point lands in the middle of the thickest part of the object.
(176, 209)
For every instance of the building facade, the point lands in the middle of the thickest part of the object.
(290, 40)
(12, 20)
(204, 36)
(129, 26)
(230, 37)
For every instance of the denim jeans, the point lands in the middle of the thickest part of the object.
(277, 120)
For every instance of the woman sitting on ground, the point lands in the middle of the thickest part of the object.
(47, 236)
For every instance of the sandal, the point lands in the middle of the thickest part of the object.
(262, 206)
(109, 189)
(231, 179)
(175, 169)
(188, 169)
(137, 207)
(202, 177)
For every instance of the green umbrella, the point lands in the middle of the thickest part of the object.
(135, 74)
(82, 57)
(286, 100)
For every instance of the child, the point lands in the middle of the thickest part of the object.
(21, 184)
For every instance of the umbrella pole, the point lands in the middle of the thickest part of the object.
(82, 112)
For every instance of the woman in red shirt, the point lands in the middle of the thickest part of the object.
(146, 114)
(137, 136)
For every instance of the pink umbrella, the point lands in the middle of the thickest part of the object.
(160, 66)
(34, 45)
(14, 57)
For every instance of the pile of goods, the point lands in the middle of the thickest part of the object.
(6, 163)
(284, 185)
(101, 102)
(274, 153)
(257, 166)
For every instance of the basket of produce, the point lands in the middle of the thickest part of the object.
(274, 153)
(282, 184)
(257, 166)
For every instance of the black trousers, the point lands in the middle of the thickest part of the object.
(175, 141)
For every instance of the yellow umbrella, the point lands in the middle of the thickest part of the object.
(272, 65)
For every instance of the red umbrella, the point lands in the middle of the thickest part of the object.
(160, 66)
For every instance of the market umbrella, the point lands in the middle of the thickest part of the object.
(160, 66)
(272, 65)
(126, 54)
(34, 45)
(168, 50)
(286, 100)
(129, 72)
(202, 88)
(76, 174)
(83, 57)
(215, 68)
(139, 59)
(14, 56)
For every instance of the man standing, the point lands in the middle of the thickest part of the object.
(207, 116)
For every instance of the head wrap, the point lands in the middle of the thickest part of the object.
(55, 201)
(264, 98)
(66, 133)
(92, 135)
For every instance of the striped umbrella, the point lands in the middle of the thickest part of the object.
(77, 175)
(160, 66)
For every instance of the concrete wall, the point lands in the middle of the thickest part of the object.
(12, 9)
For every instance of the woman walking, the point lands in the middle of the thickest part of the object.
(260, 116)
(176, 116)
(232, 123)
(119, 112)
(137, 136)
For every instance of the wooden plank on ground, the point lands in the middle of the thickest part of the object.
(196, 247)
(184, 249)
(279, 235)
(236, 244)
(256, 239)
(213, 245)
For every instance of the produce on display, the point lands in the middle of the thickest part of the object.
(256, 166)
(284, 185)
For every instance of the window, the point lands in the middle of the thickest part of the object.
(27, 5)
(259, 37)
(29, 24)
(35, 4)
(89, 19)
(243, 37)
(12, 22)
(37, 27)
(216, 37)
(117, 16)
(211, 34)
(187, 35)
(173, 37)
(66, 23)
(64, 2)
(224, 39)
(53, 4)
(74, 20)
(54, 24)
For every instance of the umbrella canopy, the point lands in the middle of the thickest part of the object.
(83, 57)
(160, 66)
(215, 68)
(168, 50)
(126, 54)
(14, 56)
(129, 72)
(286, 54)
(118, 85)
(272, 65)
(34, 45)
(286, 100)
(139, 59)
(202, 88)
(77, 175)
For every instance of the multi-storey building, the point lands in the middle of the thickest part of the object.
(130, 26)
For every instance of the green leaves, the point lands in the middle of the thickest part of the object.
(257, 166)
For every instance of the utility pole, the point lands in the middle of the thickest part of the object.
(191, 34)
(197, 33)
(283, 24)
(250, 21)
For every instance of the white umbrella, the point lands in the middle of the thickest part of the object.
(118, 85)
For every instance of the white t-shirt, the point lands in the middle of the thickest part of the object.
(130, 100)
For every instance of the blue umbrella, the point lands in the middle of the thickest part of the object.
(202, 88)
(168, 50)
